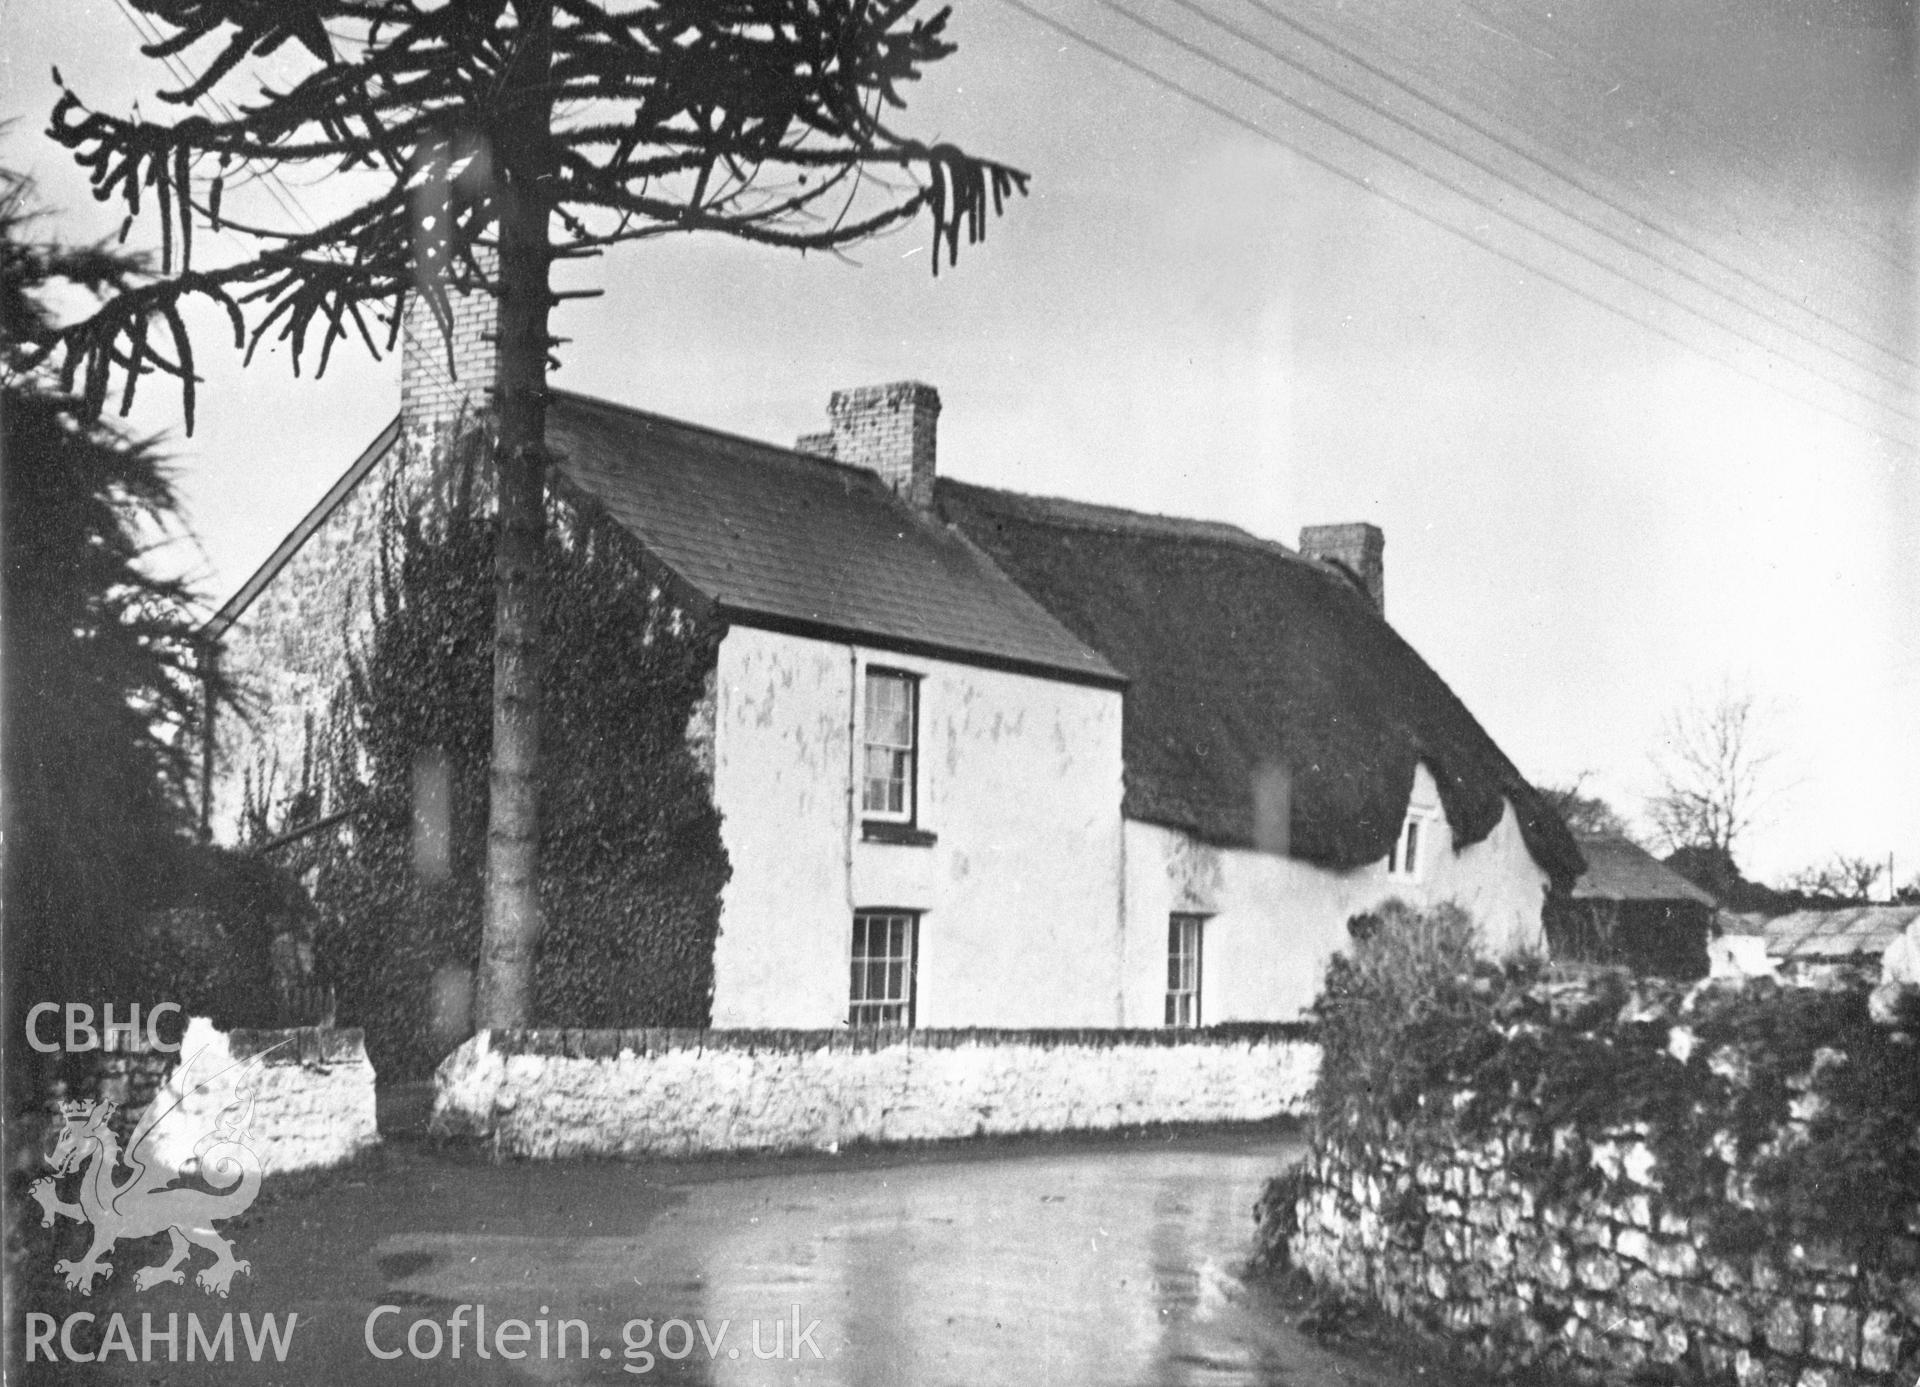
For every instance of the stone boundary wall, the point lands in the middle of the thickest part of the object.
(547, 1094)
(311, 1087)
(1601, 1286)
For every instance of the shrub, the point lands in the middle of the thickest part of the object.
(1410, 974)
(208, 943)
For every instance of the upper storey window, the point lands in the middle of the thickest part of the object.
(1408, 858)
(889, 784)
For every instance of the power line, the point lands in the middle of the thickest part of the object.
(1511, 257)
(1461, 190)
(1868, 238)
(214, 106)
(1590, 120)
(283, 195)
(1571, 179)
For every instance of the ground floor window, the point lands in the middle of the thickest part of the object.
(1183, 970)
(882, 990)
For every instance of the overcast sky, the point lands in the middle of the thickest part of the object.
(1603, 310)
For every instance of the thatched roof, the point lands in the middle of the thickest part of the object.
(1620, 870)
(1241, 653)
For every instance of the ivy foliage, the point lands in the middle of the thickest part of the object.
(631, 861)
(208, 942)
(1774, 1114)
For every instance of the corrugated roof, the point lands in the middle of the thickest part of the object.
(1847, 933)
(796, 542)
(1242, 652)
(1619, 870)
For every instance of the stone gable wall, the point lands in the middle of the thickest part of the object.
(287, 655)
(288, 652)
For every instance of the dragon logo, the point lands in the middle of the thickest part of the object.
(145, 1201)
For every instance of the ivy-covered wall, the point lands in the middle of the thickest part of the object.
(631, 859)
(1607, 1174)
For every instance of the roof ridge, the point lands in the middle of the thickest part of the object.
(716, 507)
(236, 605)
(1067, 513)
(785, 451)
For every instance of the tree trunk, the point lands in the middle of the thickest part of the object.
(522, 151)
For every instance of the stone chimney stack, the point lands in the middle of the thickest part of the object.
(434, 394)
(1359, 548)
(890, 429)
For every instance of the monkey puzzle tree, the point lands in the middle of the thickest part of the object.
(493, 137)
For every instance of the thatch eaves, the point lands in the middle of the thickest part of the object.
(1241, 654)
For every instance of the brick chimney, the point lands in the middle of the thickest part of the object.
(435, 393)
(1359, 548)
(891, 429)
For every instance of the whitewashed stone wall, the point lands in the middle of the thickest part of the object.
(546, 1094)
(311, 1091)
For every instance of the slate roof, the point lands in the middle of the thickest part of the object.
(773, 538)
(1619, 870)
(1242, 652)
(1856, 931)
(1235, 651)
(794, 542)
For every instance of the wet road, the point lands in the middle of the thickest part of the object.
(1066, 1267)
(1092, 1262)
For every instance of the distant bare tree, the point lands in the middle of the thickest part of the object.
(1857, 875)
(1814, 881)
(1717, 772)
(1842, 878)
(1587, 815)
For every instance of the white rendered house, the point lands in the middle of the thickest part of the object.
(983, 759)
